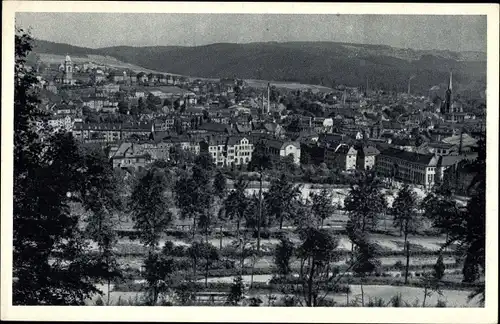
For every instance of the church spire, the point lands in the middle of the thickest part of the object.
(450, 86)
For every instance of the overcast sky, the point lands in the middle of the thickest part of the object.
(456, 33)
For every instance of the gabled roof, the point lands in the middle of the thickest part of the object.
(240, 128)
(367, 150)
(233, 140)
(425, 159)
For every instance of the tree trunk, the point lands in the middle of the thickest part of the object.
(260, 213)
(407, 245)
(347, 292)
(220, 239)
(310, 285)
(425, 296)
(281, 221)
(194, 226)
(238, 228)
(362, 294)
(109, 290)
(194, 268)
(206, 272)
(251, 275)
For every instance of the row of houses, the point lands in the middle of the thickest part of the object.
(111, 132)
(226, 151)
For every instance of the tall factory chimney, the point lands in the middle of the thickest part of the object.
(268, 98)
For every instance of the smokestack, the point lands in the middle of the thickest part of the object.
(268, 98)
(409, 84)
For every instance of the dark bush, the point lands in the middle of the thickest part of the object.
(264, 234)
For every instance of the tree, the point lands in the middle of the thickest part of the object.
(294, 125)
(141, 106)
(405, 216)
(280, 198)
(150, 207)
(219, 185)
(123, 107)
(202, 250)
(431, 282)
(260, 161)
(236, 294)
(439, 268)
(365, 261)
(283, 254)
(321, 204)
(152, 102)
(254, 213)
(150, 211)
(318, 249)
(236, 203)
(305, 157)
(102, 197)
(440, 207)
(194, 194)
(365, 201)
(157, 269)
(51, 265)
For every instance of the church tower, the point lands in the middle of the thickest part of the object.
(448, 98)
(68, 71)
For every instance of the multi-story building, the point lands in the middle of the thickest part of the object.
(366, 157)
(130, 155)
(136, 130)
(420, 169)
(282, 148)
(342, 156)
(108, 132)
(97, 132)
(216, 147)
(239, 150)
(228, 150)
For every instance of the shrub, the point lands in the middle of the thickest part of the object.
(264, 234)
(376, 302)
(441, 303)
(399, 265)
(396, 301)
(288, 301)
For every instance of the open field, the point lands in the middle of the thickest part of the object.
(453, 298)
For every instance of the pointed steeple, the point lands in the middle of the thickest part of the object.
(450, 86)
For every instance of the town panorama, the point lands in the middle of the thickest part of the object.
(134, 186)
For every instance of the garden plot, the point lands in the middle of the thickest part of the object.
(246, 279)
(416, 260)
(453, 298)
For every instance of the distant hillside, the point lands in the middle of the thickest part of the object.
(321, 63)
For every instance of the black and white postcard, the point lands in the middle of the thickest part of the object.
(205, 158)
